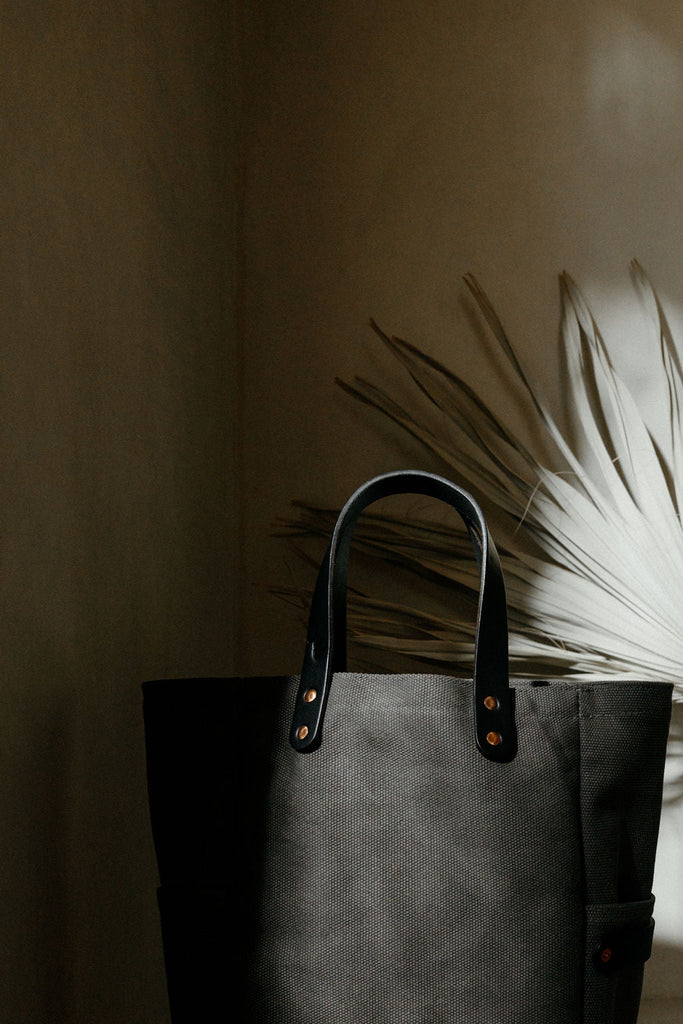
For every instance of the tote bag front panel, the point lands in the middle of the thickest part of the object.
(407, 879)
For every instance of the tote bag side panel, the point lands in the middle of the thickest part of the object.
(624, 728)
(209, 745)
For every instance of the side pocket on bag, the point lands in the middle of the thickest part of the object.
(618, 942)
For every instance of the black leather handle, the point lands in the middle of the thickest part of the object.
(326, 640)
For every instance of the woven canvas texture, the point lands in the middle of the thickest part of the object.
(395, 876)
(407, 880)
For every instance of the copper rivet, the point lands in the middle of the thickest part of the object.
(606, 956)
(491, 703)
(302, 732)
(310, 695)
(494, 738)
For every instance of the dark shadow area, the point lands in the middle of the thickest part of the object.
(35, 920)
(210, 747)
(661, 973)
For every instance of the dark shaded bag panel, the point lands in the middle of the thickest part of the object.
(208, 747)
(623, 731)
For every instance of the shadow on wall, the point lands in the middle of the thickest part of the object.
(661, 973)
(77, 906)
(37, 747)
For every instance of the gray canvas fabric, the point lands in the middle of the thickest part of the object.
(408, 880)
(405, 872)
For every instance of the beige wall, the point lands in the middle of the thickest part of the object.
(117, 283)
(386, 149)
(392, 147)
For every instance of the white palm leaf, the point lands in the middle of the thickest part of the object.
(591, 545)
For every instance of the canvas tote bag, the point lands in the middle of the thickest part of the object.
(354, 848)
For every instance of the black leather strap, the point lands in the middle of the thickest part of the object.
(326, 640)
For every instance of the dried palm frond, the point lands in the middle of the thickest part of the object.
(592, 548)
